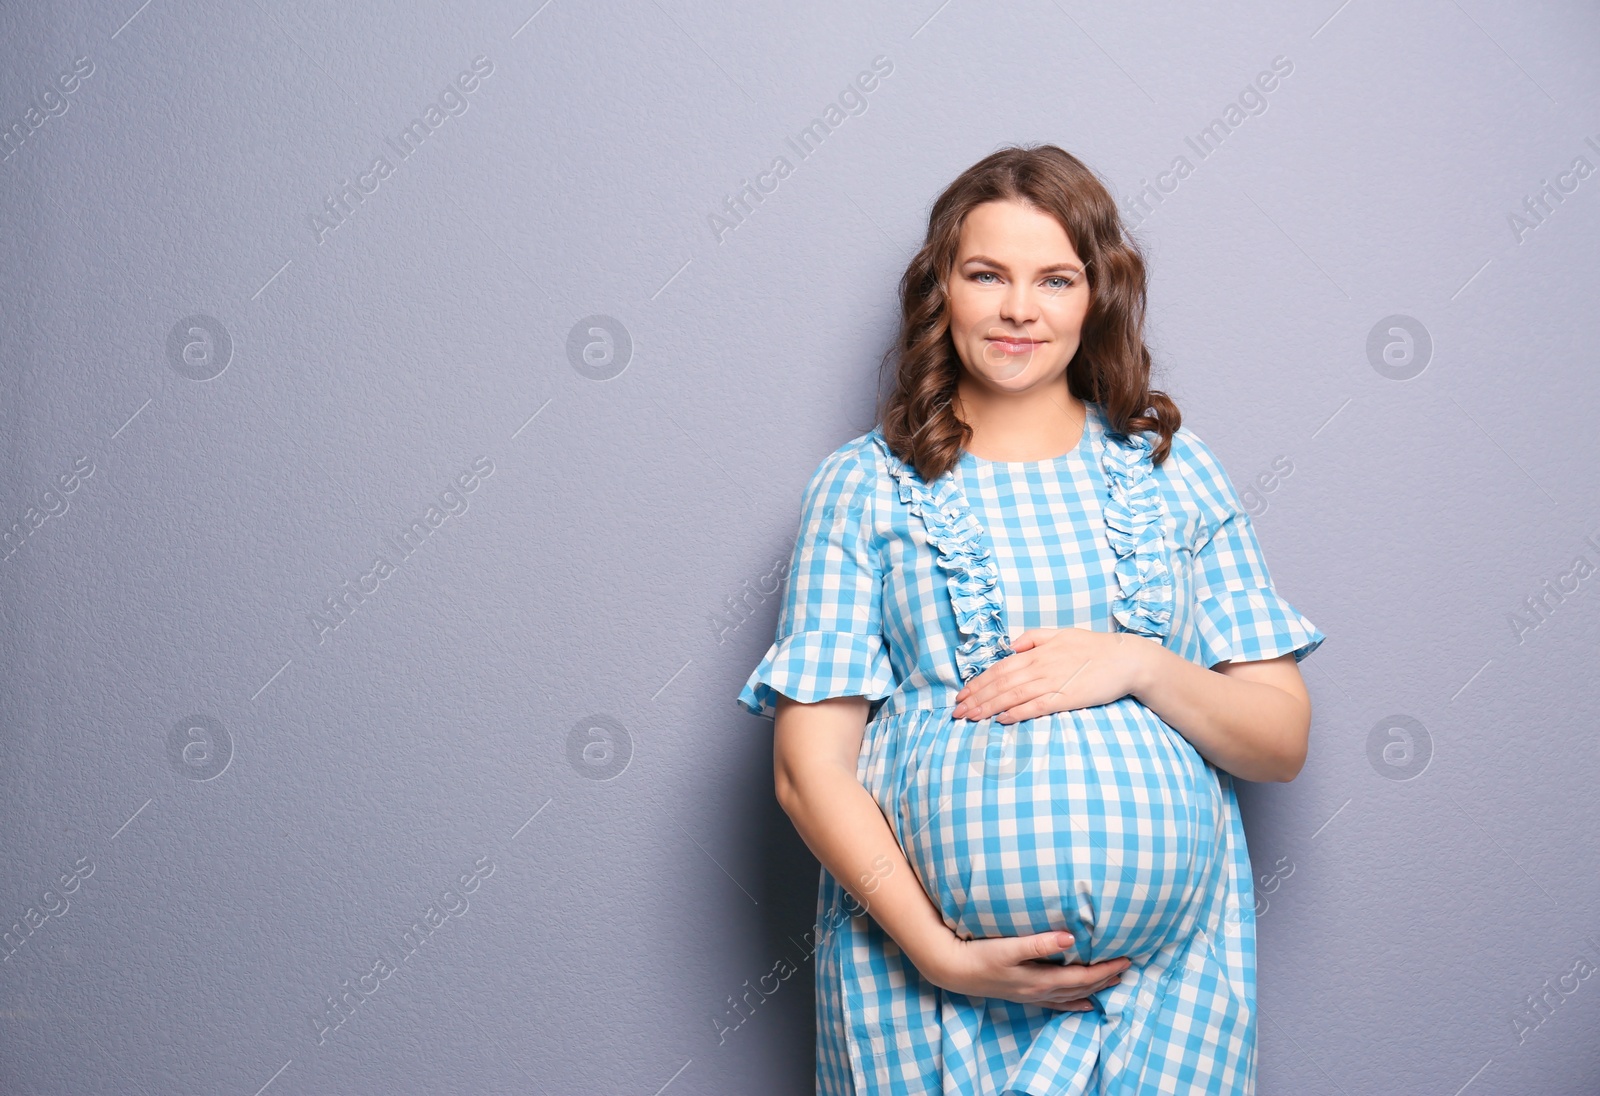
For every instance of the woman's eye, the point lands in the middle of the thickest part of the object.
(983, 274)
(1060, 282)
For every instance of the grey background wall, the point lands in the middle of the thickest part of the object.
(486, 817)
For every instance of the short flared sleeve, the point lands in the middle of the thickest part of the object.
(1241, 615)
(830, 624)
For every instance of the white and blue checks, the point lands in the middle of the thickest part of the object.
(1103, 821)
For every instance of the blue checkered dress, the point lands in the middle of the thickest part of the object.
(1102, 821)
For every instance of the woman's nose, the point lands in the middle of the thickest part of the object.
(1018, 305)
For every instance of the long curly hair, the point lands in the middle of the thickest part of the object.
(1112, 364)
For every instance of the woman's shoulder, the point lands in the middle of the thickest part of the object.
(1198, 468)
(1189, 449)
(848, 475)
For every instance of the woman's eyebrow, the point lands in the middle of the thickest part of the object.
(1074, 267)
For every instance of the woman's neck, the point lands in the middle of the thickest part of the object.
(1022, 427)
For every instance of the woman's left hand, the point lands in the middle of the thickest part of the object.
(1057, 670)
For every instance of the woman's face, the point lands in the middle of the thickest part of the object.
(1017, 297)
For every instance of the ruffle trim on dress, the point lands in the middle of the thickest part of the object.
(1136, 518)
(971, 574)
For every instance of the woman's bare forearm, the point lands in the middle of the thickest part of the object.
(1250, 719)
(814, 758)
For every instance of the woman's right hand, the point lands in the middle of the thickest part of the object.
(1015, 968)
(815, 753)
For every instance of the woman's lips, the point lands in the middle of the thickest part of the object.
(1015, 346)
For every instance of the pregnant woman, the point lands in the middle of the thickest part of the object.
(1027, 644)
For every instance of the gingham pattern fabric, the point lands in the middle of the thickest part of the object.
(1103, 821)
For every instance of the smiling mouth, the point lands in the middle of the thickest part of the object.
(1014, 346)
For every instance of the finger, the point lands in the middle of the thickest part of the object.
(1080, 998)
(1107, 983)
(1041, 944)
(1030, 710)
(1071, 983)
(983, 688)
(1029, 704)
(973, 691)
(1076, 978)
(979, 708)
(1004, 694)
(1029, 691)
(1088, 989)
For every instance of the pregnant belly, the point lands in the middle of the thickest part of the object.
(1102, 821)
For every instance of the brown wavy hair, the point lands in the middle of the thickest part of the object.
(1112, 365)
